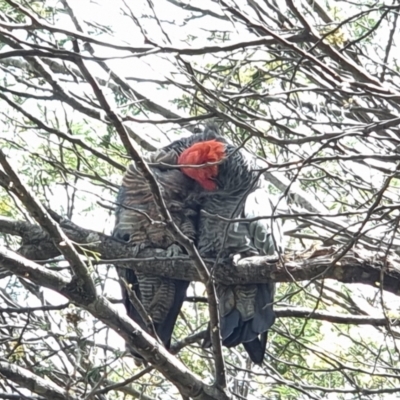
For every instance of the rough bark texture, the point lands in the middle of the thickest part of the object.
(34, 383)
(173, 369)
(357, 266)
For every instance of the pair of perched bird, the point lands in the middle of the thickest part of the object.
(232, 187)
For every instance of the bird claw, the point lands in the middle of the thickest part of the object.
(142, 246)
(174, 250)
(235, 258)
(272, 259)
(229, 258)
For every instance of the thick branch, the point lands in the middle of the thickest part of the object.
(102, 309)
(336, 318)
(353, 268)
(83, 281)
(36, 384)
(37, 244)
(358, 266)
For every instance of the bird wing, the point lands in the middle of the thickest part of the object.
(138, 222)
(250, 313)
(265, 234)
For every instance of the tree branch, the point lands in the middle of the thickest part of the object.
(36, 384)
(358, 266)
(336, 318)
(82, 280)
(102, 309)
(180, 237)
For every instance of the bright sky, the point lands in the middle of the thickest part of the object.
(150, 67)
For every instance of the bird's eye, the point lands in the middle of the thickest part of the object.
(126, 237)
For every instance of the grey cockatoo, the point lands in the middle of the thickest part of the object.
(235, 189)
(136, 222)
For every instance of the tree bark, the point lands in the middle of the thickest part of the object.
(357, 266)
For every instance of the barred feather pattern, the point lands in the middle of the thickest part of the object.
(138, 222)
(137, 219)
(246, 311)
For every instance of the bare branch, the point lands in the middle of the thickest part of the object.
(34, 383)
(82, 279)
(102, 309)
(358, 265)
(297, 312)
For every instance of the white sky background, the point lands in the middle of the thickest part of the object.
(154, 67)
(158, 67)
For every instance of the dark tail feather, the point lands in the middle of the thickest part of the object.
(263, 341)
(263, 319)
(166, 328)
(264, 316)
(239, 330)
(256, 349)
(131, 278)
(206, 344)
(252, 333)
(230, 326)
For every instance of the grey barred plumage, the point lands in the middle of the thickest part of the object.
(138, 209)
(246, 311)
(138, 222)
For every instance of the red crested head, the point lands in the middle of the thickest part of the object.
(202, 153)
